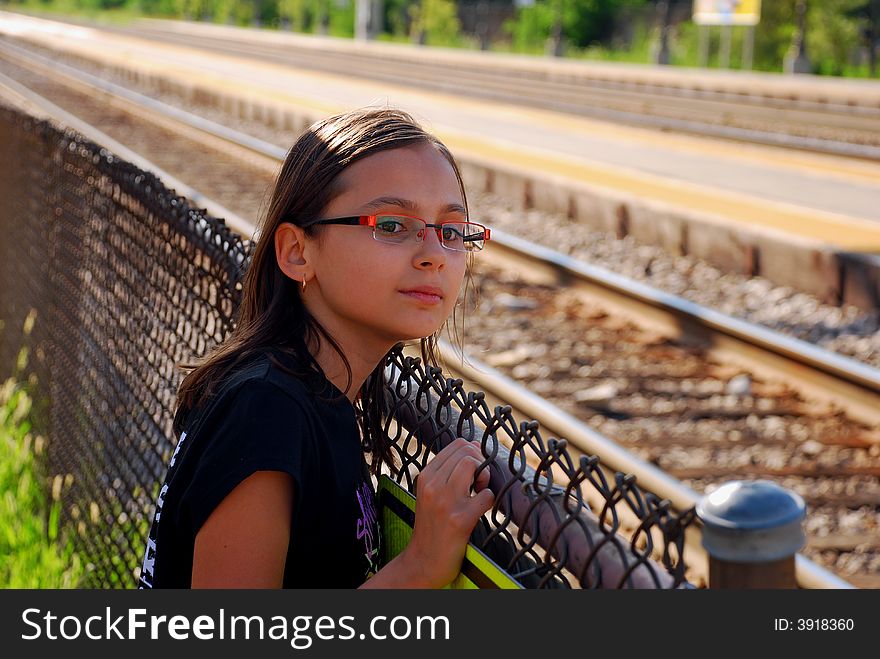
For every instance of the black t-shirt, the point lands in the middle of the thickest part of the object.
(266, 419)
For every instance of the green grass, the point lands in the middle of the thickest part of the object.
(72, 9)
(34, 551)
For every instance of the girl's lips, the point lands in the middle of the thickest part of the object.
(427, 298)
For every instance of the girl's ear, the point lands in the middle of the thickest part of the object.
(290, 251)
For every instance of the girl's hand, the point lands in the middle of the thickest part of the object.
(446, 513)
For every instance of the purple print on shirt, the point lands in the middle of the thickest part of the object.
(368, 526)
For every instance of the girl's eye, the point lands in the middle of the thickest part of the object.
(390, 226)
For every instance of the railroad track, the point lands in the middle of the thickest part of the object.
(667, 381)
(824, 127)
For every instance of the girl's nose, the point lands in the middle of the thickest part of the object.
(431, 252)
(424, 235)
(424, 232)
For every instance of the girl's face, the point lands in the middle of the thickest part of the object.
(356, 285)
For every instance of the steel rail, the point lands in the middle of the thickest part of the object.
(813, 370)
(612, 455)
(48, 109)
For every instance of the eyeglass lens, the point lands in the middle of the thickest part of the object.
(458, 236)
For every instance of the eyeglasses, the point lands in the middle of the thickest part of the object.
(455, 236)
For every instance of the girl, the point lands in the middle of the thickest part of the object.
(365, 245)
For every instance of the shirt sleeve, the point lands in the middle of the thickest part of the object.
(260, 428)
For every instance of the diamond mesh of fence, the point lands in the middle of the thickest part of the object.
(124, 279)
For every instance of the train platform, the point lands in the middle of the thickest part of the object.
(726, 200)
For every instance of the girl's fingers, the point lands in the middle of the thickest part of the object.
(482, 480)
(441, 465)
(481, 502)
(471, 454)
(462, 476)
(439, 460)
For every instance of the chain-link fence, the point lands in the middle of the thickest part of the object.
(126, 280)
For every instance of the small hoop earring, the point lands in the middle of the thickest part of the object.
(304, 283)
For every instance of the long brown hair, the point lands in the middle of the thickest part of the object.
(271, 314)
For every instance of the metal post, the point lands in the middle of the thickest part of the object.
(752, 531)
(323, 17)
(796, 61)
(361, 20)
(375, 26)
(554, 43)
(482, 23)
(704, 45)
(663, 51)
(418, 33)
(258, 13)
(724, 55)
(748, 50)
(872, 31)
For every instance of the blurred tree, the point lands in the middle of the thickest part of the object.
(341, 18)
(867, 13)
(158, 7)
(297, 14)
(397, 18)
(530, 26)
(588, 22)
(773, 35)
(583, 22)
(435, 22)
(833, 35)
(188, 8)
(226, 11)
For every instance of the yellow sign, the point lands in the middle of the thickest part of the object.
(727, 12)
(397, 509)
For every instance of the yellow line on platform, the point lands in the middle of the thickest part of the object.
(802, 161)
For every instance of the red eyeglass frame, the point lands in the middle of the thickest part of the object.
(370, 221)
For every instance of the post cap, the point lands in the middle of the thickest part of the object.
(752, 522)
